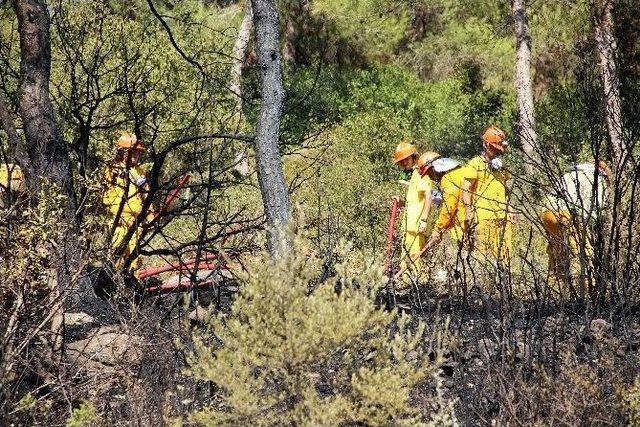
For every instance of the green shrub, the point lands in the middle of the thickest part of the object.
(290, 356)
(631, 403)
(85, 415)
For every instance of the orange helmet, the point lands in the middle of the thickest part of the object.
(128, 141)
(495, 137)
(427, 158)
(403, 150)
(603, 168)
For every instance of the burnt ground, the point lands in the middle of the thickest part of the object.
(512, 362)
(517, 362)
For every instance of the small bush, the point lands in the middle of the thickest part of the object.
(85, 415)
(328, 356)
(631, 403)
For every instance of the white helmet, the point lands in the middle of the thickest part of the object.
(444, 164)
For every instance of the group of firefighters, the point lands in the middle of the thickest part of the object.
(124, 195)
(475, 208)
(473, 199)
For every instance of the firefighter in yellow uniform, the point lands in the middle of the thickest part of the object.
(417, 201)
(11, 183)
(124, 197)
(450, 176)
(570, 213)
(487, 222)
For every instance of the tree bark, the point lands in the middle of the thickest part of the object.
(601, 11)
(240, 53)
(526, 113)
(275, 194)
(46, 150)
(16, 147)
(241, 158)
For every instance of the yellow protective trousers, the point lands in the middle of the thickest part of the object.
(494, 239)
(120, 232)
(564, 245)
(124, 199)
(413, 244)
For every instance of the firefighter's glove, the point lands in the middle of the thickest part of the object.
(436, 197)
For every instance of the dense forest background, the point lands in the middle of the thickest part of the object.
(306, 340)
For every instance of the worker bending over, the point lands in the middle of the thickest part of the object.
(487, 224)
(449, 174)
(578, 199)
(127, 188)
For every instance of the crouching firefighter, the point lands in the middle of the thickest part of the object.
(126, 190)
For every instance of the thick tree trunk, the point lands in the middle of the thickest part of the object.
(526, 114)
(47, 151)
(45, 147)
(607, 50)
(275, 194)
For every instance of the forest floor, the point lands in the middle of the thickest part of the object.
(550, 359)
(536, 361)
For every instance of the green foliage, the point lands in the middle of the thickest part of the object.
(26, 403)
(85, 415)
(30, 237)
(313, 102)
(114, 68)
(631, 403)
(429, 112)
(288, 354)
(381, 23)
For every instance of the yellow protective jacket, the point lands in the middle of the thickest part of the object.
(419, 190)
(489, 193)
(452, 212)
(126, 186)
(11, 176)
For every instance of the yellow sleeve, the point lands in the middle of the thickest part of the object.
(4, 176)
(448, 210)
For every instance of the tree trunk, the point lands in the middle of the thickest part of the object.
(298, 12)
(275, 194)
(526, 114)
(239, 54)
(46, 150)
(607, 50)
(241, 158)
